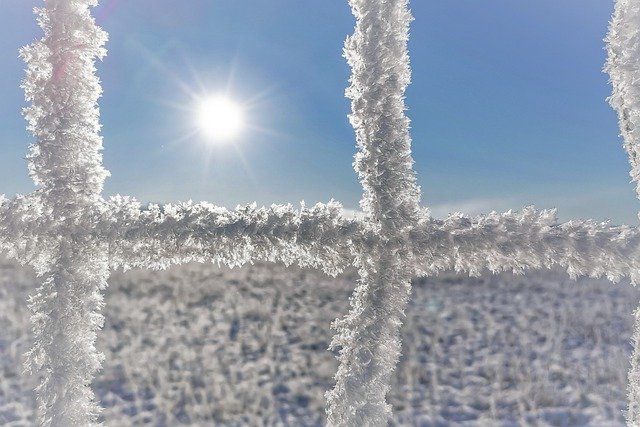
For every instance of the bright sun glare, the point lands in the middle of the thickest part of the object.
(219, 118)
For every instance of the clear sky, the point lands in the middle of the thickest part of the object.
(508, 103)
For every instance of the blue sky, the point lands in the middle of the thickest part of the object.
(507, 103)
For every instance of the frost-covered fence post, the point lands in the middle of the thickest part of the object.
(65, 163)
(623, 67)
(368, 338)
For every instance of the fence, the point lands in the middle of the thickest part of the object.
(73, 237)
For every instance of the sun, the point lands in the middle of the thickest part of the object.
(219, 119)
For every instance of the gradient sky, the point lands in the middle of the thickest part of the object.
(508, 103)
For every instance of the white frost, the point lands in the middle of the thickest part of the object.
(368, 338)
(623, 67)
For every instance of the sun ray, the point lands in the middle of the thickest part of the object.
(153, 60)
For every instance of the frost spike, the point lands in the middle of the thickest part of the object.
(368, 338)
(66, 165)
(61, 84)
(623, 66)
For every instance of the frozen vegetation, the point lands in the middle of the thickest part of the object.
(202, 345)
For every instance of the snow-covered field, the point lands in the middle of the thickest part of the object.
(202, 345)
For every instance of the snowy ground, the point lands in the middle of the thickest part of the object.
(201, 345)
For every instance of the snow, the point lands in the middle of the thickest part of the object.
(198, 344)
